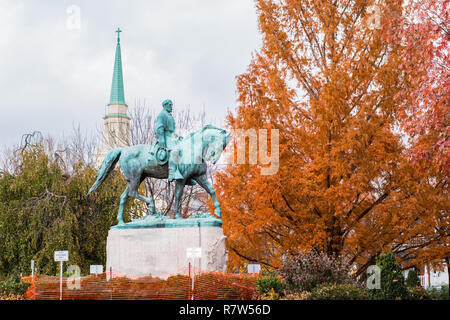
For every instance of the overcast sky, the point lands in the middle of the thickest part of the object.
(53, 75)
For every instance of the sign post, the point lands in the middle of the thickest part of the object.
(193, 253)
(61, 256)
(32, 269)
(32, 279)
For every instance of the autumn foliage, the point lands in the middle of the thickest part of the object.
(425, 112)
(331, 77)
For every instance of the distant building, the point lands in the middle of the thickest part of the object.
(431, 278)
(116, 127)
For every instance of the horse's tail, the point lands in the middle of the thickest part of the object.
(107, 166)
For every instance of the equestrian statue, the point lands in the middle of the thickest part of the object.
(170, 157)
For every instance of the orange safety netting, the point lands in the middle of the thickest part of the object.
(29, 294)
(114, 286)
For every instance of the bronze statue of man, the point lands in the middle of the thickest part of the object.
(166, 137)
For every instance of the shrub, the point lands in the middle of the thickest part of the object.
(12, 297)
(270, 281)
(12, 285)
(419, 293)
(440, 294)
(296, 296)
(338, 292)
(270, 295)
(306, 271)
(444, 295)
(412, 280)
(393, 285)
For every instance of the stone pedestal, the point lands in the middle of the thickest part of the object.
(137, 252)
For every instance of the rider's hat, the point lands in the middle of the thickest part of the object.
(166, 102)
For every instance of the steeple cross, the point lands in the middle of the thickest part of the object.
(118, 34)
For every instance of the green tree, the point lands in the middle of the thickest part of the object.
(43, 208)
(13, 285)
(412, 280)
(392, 281)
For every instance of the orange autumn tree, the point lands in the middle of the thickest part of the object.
(425, 117)
(327, 79)
(425, 112)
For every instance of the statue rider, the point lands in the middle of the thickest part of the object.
(166, 136)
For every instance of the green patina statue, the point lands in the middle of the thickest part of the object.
(167, 139)
(165, 126)
(170, 157)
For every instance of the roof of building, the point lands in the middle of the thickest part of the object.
(117, 92)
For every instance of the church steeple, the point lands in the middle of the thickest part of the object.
(116, 128)
(117, 95)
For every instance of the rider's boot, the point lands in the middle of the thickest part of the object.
(190, 182)
(174, 173)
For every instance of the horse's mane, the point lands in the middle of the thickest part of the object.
(208, 126)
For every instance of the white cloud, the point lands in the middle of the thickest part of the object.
(52, 77)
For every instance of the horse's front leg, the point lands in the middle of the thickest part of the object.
(133, 192)
(179, 186)
(123, 202)
(204, 183)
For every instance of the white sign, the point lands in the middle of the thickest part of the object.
(61, 255)
(253, 268)
(96, 268)
(194, 252)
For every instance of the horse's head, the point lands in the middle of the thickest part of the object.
(215, 140)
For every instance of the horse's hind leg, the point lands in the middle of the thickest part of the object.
(179, 186)
(123, 202)
(134, 186)
(204, 183)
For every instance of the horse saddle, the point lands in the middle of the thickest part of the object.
(162, 157)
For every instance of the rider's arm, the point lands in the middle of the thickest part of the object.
(160, 131)
(161, 137)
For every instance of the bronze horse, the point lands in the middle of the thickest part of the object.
(139, 162)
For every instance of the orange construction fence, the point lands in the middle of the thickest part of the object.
(204, 285)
